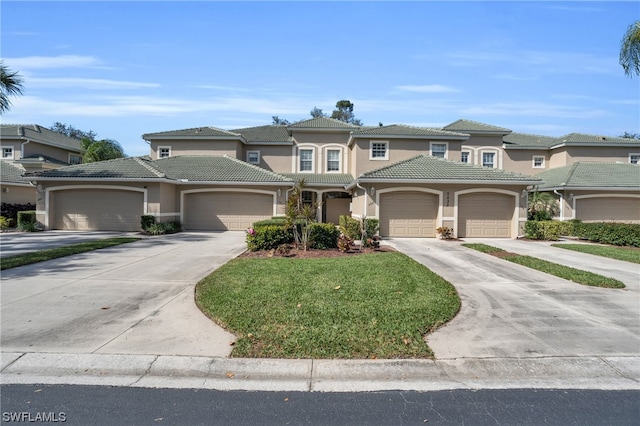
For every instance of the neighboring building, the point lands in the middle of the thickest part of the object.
(28, 148)
(413, 179)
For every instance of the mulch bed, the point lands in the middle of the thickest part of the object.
(314, 254)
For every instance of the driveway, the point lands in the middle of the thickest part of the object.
(135, 298)
(509, 310)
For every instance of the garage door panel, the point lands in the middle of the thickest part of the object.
(408, 214)
(608, 209)
(485, 215)
(97, 210)
(219, 211)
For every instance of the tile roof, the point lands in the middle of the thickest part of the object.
(592, 175)
(339, 179)
(215, 169)
(579, 139)
(527, 141)
(322, 123)
(200, 132)
(426, 167)
(474, 126)
(120, 168)
(11, 172)
(41, 135)
(270, 134)
(402, 130)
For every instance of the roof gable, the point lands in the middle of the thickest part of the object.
(40, 134)
(469, 126)
(322, 123)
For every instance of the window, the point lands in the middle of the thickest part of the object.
(464, 156)
(75, 159)
(164, 151)
(488, 159)
(307, 197)
(333, 160)
(634, 158)
(439, 150)
(253, 157)
(538, 162)
(379, 151)
(306, 160)
(7, 152)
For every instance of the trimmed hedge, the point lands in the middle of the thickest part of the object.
(272, 233)
(351, 227)
(324, 236)
(10, 211)
(617, 234)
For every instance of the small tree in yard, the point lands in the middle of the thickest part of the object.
(300, 216)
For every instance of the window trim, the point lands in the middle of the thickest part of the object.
(468, 156)
(313, 159)
(257, 152)
(634, 154)
(495, 156)
(160, 148)
(386, 152)
(446, 149)
(542, 164)
(13, 152)
(339, 151)
(75, 155)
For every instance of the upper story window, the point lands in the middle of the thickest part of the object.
(75, 159)
(379, 151)
(439, 150)
(253, 157)
(538, 162)
(634, 158)
(164, 151)
(488, 159)
(464, 156)
(7, 152)
(333, 160)
(306, 160)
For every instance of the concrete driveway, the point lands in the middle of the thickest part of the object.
(135, 298)
(12, 243)
(509, 310)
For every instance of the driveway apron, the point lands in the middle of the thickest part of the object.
(136, 298)
(509, 310)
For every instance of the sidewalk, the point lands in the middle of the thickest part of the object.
(151, 371)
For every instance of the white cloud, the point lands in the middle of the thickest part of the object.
(88, 83)
(43, 62)
(533, 109)
(428, 88)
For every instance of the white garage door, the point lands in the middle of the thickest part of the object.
(408, 214)
(97, 210)
(608, 209)
(485, 215)
(220, 211)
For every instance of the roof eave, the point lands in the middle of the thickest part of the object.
(449, 181)
(589, 188)
(184, 137)
(96, 179)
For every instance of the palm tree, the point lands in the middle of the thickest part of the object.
(630, 50)
(10, 85)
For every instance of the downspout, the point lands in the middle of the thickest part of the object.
(22, 149)
(555, 191)
(364, 205)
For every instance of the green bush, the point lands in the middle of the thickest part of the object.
(163, 228)
(549, 230)
(267, 237)
(146, 221)
(4, 223)
(617, 234)
(324, 236)
(10, 211)
(27, 221)
(351, 227)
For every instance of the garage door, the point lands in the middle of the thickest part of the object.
(608, 209)
(97, 210)
(485, 215)
(408, 214)
(219, 211)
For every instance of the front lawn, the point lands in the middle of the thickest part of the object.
(565, 272)
(54, 253)
(376, 305)
(628, 254)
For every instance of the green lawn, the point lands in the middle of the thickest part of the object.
(628, 254)
(42, 255)
(375, 305)
(566, 272)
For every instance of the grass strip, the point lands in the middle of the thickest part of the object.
(627, 254)
(54, 253)
(565, 272)
(377, 305)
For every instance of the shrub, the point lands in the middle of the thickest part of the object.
(26, 217)
(324, 236)
(163, 228)
(146, 221)
(617, 234)
(353, 228)
(10, 211)
(267, 237)
(445, 233)
(344, 243)
(4, 223)
(549, 230)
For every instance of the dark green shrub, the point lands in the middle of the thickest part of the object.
(324, 236)
(352, 227)
(146, 221)
(163, 228)
(549, 230)
(267, 237)
(26, 217)
(10, 211)
(617, 234)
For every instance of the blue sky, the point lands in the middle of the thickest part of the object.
(123, 69)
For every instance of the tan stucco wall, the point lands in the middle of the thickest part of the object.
(484, 140)
(320, 138)
(4, 143)
(274, 158)
(521, 161)
(231, 148)
(605, 155)
(17, 194)
(569, 200)
(33, 148)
